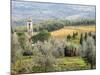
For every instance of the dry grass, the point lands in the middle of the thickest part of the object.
(62, 32)
(70, 29)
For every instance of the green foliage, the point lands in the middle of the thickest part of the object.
(89, 51)
(68, 37)
(81, 38)
(48, 56)
(16, 50)
(58, 47)
(52, 25)
(49, 25)
(12, 30)
(72, 50)
(90, 33)
(52, 47)
(79, 22)
(41, 36)
(71, 63)
(20, 34)
(21, 66)
(21, 39)
(74, 35)
(24, 41)
(86, 35)
(44, 65)
(48, 53)
(20, 29)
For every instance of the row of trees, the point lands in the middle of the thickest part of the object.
(52, 25)
(88, 46)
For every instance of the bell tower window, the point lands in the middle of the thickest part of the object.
(29, 25)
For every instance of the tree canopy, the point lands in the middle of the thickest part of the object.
(41, 36)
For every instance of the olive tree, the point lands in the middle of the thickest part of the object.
(46, 53)
(42, 51)
(16, 50)
(16, 53)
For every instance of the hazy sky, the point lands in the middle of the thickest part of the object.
(39, 11)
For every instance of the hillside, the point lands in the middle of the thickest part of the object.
(70, 29)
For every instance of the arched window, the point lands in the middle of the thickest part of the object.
(29, 25)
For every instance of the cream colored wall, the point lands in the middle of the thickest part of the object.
(30, 31)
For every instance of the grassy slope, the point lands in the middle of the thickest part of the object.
(72, 63)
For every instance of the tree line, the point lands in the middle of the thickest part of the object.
(52, 25)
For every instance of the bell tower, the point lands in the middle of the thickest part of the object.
(30, 28)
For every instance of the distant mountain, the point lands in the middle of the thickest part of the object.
(22, 10)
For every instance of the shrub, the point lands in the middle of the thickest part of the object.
(41, 36)
(68, 37)
(74, 35)
(44, 63)
(20, 33)
(27, 53)
(24, 41)
(22, 66)
(71, 50)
